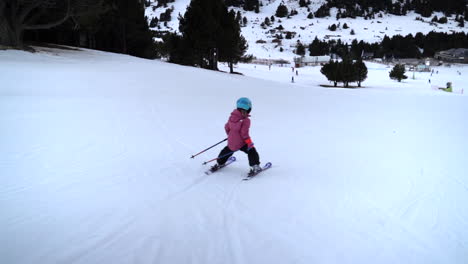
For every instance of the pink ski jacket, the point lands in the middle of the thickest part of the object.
(237, 129)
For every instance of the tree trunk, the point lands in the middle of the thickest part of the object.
(215, 59)
(201, 60)
(123, 36)
(231, 67)
(10, 35)
(212, 59)
(5, 27)
(92, 41)
(83, 39)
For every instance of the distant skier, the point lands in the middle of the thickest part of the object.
(237, 129)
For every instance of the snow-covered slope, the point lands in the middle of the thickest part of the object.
(372, 30)
(95, 167)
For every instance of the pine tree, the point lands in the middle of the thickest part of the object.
(124, 29)
(300, 49)
(138, 37)
(346, 71)
(232, 45)
(154, 22)
(398, 73)
(323, 11)
(238, 16)
(251, 5)
(356, 49)
(443, 20)
(210, 33)
(176, 49)
(331, 71)
(282, 11)
(200, 27)
(318, 48)
(360, 71)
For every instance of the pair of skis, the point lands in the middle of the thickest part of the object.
(233, 159)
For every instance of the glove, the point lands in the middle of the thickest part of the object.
(249, 143)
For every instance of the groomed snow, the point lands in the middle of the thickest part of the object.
(95, 165)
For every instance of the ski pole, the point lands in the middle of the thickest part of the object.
(230, 153)
(193, 156)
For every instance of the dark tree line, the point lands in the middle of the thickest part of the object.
(109, 25)
(368, 8)
(209, 33)
(397, 46)
(19, 16)
(247, 5)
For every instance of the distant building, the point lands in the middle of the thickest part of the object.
(367, 55)
(311, 60)
(408, 61)
(277, 62)
(453, 55)
(412, 64)
(423, 68)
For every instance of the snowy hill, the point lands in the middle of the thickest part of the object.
(372, 30)
(95, 165)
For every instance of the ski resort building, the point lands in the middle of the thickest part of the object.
(413, 64)
(453, 55)
(311, 60)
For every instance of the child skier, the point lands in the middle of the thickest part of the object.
(237, 129)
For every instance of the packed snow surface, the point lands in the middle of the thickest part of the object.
(95, 166)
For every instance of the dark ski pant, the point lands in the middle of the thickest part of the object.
(252, 153)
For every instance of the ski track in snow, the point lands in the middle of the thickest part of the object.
(96, 168)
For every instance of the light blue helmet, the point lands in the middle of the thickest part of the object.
(244, 103)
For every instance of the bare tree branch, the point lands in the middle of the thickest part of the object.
(28, 10)
(51, 24)
(16, 16)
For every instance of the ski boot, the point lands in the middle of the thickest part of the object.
(215, 168)
(254, 170)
